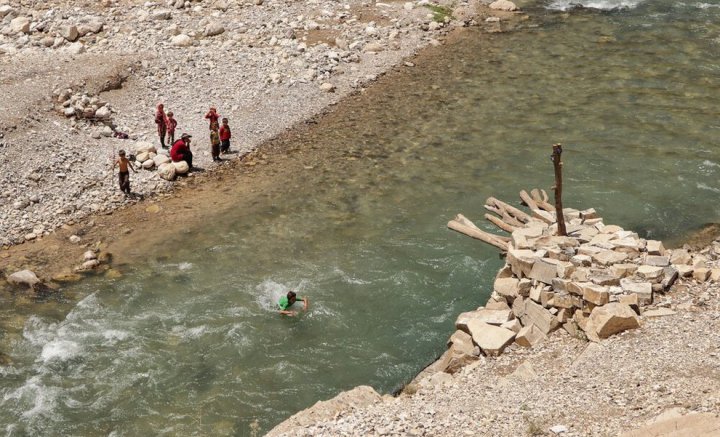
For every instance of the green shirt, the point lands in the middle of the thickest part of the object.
(283, 303)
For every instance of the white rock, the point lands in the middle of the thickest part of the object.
(181, 167)
(161, 15)
(89, 254)
(23, 277)
(503, 5)
(327, 87)
(558, 429)
(214, 29)
(161, 159)
(74, 239)
(167, 171)
(148, 164)
(5, 10)
(181, 40)
(103, 113)
(20, 25)
(76, 48)
(70, 33)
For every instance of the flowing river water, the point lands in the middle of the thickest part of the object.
(188, 341)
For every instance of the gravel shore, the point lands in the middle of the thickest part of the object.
(73, 75)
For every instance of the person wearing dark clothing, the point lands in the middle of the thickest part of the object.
(180, 151)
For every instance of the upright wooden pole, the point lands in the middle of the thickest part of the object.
(557, 163)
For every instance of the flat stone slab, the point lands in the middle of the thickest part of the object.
(491, 339)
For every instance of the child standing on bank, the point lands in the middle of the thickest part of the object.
(124, 175)
(171, 125)
(225, 136)
(215, 144)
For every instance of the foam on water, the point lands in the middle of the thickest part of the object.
(60, 350)
(702, 186)
(603, 5)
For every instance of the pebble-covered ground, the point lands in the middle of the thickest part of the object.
(74, 72)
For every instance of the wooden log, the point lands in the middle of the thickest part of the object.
(499, 223)
(518, 214)
(527, 200)
(473, 232)
(557, 164)
(467, 222)
(493, 208)
(512, 221)
(541, 200)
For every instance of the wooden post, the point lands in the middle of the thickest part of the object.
(557, 163)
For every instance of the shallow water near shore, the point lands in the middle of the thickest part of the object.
(188, 341)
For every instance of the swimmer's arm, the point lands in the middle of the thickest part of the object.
(287, 313)
(306, 303)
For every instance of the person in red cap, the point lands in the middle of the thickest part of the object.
(161, 122)
(180, 150)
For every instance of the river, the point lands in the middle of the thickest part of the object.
(188, 341)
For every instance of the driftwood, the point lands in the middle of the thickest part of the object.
(500, 223)
(464, 226)
(527, 200)
(516, 213)
(541, 199)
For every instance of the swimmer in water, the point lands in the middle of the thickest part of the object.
(287, 301)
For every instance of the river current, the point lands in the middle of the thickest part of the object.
(188, 342)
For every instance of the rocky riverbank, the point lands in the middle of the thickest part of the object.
(73, 77)
(659, 378)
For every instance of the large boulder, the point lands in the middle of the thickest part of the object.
(612, 318)
(181, 167)
(492, 340)
(161, 159)
(148, 164)
(167, 171)
(142, 156)
(23, 277)
(144, 147)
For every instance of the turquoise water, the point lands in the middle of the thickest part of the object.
(188, 341)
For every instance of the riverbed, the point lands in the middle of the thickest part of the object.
(188, 341)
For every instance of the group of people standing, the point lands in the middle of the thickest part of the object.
(180, 149)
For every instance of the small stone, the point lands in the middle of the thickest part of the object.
(327, 87)
(181, 40)
(558, 429)
(612, 318)
(75, 239)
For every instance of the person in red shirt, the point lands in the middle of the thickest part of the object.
(213, 116)
(225, 136)
(160, 120)
(180, 151)
(171, 125)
